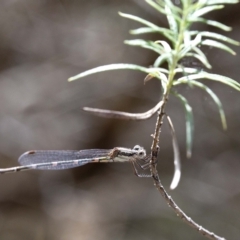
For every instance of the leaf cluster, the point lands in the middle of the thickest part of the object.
(176, 43)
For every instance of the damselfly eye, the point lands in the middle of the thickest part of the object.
(136, 148)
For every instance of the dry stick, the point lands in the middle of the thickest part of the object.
(158, 184)
(123, 115)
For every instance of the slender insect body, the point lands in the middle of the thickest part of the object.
(64, 159)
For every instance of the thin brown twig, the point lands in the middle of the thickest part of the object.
(158, 184)
(123, 115)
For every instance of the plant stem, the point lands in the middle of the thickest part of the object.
(156, 139)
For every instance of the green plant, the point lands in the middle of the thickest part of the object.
(180, 42)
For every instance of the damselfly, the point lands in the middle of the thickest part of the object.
(64, 159)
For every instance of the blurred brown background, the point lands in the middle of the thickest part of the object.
(42, 43)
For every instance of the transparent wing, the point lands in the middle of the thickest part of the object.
(60, 159)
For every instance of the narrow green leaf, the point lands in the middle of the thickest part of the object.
(143, 30)
(141, 20)
(189, 123)
(217, 36)
(203, 60)
(202, 2)
(203, 56)
(205, 75)
(186, 37)
(157, 74)
(185, 3)
(146, 44)
(216, 44)
(160, 75)
(186, 48)
(171, 20)
(211, 23)
(156, 6)
(206, 10)
(194, 7)
(157, 69)
(161, 59)
(176, 153)
(166, 32)
(169, 3)
(118, 66)
(185, 70)
(215, 99)
(211, 2)
(165, 45)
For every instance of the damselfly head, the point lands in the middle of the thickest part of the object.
(140, 151)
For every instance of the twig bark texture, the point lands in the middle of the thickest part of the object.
(158, 184)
